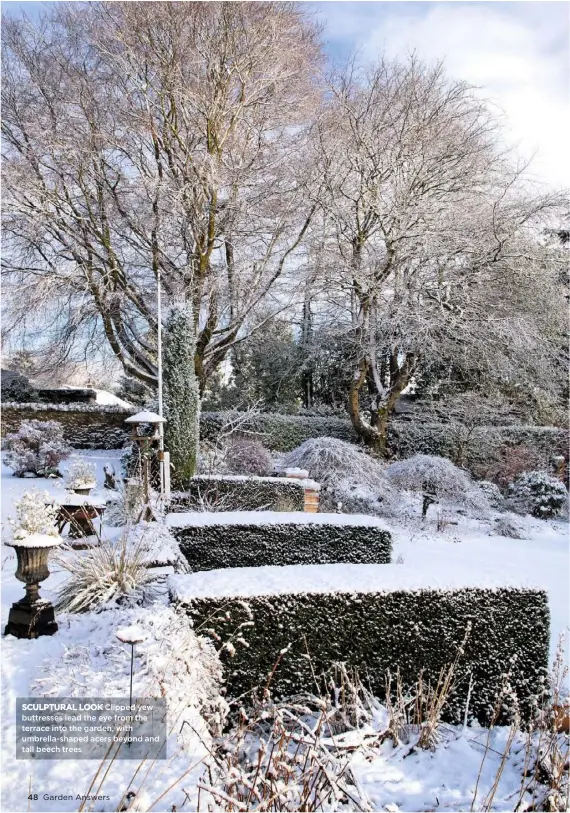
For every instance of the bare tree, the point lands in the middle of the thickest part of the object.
(146, 139)
(435, 243)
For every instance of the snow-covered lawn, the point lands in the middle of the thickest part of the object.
(85, 657)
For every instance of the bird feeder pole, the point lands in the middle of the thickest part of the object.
(159, 373)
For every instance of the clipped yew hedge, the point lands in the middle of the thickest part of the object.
(224, 540)
(410, 630)
(407, 438)
(240, 493)
(280, 433)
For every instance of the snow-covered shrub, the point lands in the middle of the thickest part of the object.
(245, 455)
(173, 661)
(348, 475)
(114, 571)
(493, 494)
(37, 448)
(329, 460)
(17, 388)
(537, 493)
(437, 478)
(81, 474)
(181, 393)
(506, 525)
(35, 515)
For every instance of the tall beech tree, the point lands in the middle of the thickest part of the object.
(434, 239)
(155, 138)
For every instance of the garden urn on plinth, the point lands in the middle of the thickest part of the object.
(85, 491)
(32, 616)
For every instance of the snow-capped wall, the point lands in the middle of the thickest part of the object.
(85, 426)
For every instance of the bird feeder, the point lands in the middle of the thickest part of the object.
(143, 419)
(140, 436)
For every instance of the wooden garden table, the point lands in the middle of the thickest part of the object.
(79, 512)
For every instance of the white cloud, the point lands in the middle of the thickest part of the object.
(518, 52)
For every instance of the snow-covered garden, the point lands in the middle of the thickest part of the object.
(285, 440)
(342, 748)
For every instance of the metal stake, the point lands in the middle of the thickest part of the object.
(131, 693)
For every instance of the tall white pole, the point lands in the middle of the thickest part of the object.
(159, 372)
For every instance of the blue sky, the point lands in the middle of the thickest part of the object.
(518, 52)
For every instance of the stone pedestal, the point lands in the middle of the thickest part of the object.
(32, 616)
(31, 620)
(311, 500)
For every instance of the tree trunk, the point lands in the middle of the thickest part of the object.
(375, 432)
(307, 374)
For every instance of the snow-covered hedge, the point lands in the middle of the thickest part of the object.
(281, 433)
(537, 493)
(239, 493)
(407, 438)
(413, 630)
(252, 539)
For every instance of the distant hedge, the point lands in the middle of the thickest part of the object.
(280, 433)
(412, 631)
(229, 540)
(236, 493)
(97, 426)
(479, 446)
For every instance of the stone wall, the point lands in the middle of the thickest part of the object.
(85, 426)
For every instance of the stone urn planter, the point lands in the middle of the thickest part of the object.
(83, 490)
(32, 616)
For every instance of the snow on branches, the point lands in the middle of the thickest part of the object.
(36, 448)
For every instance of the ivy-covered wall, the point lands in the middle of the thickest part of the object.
(85, 426)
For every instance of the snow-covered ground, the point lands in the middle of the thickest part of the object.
(85, 657)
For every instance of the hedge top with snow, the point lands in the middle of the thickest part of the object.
(292, 482)
(199, 519)
(246, 582)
